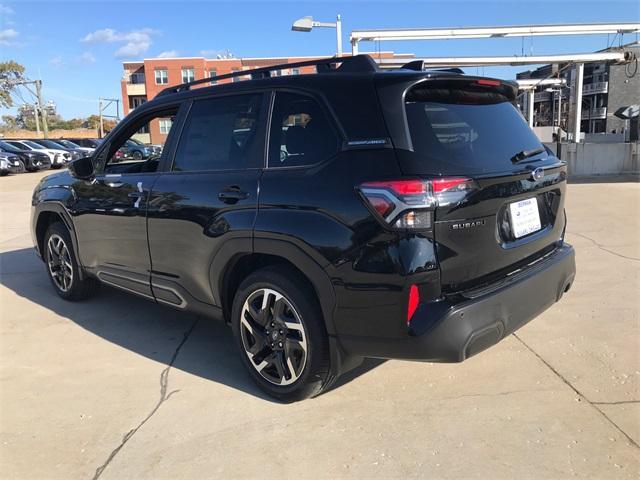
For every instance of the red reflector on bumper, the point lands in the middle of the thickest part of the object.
(414, 300)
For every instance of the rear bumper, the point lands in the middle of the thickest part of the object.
(452, 331)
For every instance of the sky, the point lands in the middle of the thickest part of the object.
(77, 48)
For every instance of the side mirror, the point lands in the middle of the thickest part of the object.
(81, 168)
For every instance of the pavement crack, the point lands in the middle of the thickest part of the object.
(493, 394)
(578, 392)
(605, 249)
(164, 396)
(621, 402)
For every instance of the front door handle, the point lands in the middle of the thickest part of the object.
(232, 195)
(137, 194)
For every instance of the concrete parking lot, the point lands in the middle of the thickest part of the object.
(118, 387)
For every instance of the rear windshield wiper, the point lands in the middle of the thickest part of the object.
(524, 154)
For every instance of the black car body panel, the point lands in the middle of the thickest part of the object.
(179, 237)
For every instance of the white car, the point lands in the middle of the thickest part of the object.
(58, 158)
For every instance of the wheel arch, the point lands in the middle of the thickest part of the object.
(229, 271)
(47, 213)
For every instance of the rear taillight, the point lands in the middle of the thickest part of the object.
(409, 204)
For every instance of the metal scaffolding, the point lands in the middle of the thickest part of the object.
(579, 59)
(358, 36)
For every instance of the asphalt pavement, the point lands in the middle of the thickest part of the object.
(117, 387)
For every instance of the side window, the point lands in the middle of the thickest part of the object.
(300, 132)
(221, 134)
(139, 149)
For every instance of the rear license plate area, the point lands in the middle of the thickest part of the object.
(525, 217)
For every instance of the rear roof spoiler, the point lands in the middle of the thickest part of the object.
(418, 66)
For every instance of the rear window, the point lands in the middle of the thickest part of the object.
(465, 132)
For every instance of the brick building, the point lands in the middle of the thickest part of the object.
(606, 88)
(143, 80)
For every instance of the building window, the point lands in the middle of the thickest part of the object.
(135, 102)
(136, 78)
(238, 78)
(213, 73)
(162, 77)
(188, 75)
(295, 71)
(165, 125)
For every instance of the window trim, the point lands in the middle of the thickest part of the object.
(331, 118)
(262, 129)
(116, 137)
(183, 69)
(166, 77)
(164, 119)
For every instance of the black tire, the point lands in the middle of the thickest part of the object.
(313, 375)
(137, 155)
(76, 289)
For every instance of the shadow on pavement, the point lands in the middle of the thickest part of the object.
(142, 326)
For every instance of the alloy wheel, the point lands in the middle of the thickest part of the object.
(59, 262)
(273, 337)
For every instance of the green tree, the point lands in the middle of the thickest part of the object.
(9, 122)
(9, 71)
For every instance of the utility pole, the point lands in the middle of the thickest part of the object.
(43, 112)
(103, 104)
(39, 106)
(35, 113)
(101, 133)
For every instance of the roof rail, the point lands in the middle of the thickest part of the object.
(419, 66)
(354, 64)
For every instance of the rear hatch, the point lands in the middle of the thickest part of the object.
(505, 202)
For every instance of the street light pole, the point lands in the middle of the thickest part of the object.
(339, 34)
(306, 24)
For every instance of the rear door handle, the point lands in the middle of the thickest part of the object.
(232, 195)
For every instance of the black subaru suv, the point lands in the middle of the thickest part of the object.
(327, 217)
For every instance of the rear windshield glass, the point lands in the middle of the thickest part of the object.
(458, 134)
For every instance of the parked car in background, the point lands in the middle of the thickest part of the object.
(32, 160)
(86, 142)
(76, 153)
(136, 150)
(58, 158)
(86, 151)
(10, 163)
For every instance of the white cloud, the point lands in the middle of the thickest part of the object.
(57, 62)
(6, 36)
(86, 58)
(104, 35)
(168, 54)
(135, 42)
(4, 10)
(214, 53)
(210, 53)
